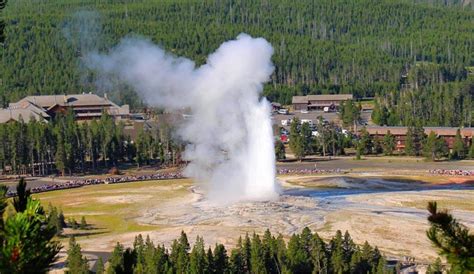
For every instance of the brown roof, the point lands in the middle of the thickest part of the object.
(442, 131)
(47, 101)
(322, 97)
(330, 97)
(299, 100)
(14, 114)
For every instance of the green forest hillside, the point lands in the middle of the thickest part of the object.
(364, 47)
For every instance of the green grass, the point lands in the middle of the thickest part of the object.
(113, 209)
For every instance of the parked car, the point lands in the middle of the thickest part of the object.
(304, 111)
(285, 122)
(283, 111)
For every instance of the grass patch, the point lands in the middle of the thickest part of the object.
(113, 209)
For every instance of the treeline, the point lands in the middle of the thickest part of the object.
(417, 143)
(328, 139)
(359, 47)
(304, 253)
(66, 146)
(324, 139)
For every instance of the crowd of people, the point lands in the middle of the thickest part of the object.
(304, 171)
(98, 181)
(452, 172)
(179, 175)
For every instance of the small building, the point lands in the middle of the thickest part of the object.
(447, 133)
(319, 102)
(85, 107)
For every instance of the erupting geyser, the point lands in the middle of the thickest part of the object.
(229, 133)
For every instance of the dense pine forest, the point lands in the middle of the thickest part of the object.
(414, 56)
(305, 253)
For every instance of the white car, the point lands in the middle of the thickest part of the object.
(283, 111)
(304, 111)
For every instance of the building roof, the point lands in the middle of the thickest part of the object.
(14, 114)
(275, 104)
(322, 97)
(299, 100)
(48, 101)
(330, 97)
(442, 131)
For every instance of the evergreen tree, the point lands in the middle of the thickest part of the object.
(338, 263)
(356, 264)
(420, 138)
(60, 158)
(246, 253)
(365, 142)
(434, 147)
(197, 258)
(83, 224)
(210, 261)
(27, 241)
(388, 143)
(129, 260)
(297, 256)
(350, 113)
(53, 219)
(319, 255)
(61, 220)
(2, 23)
(381, 266)
(21, 200)
(306, 138)
(116, 261)
(100, 269)
(378, 145)
(410, 148)
(257, 259)
(459, 148)
(297, 142)
(435, 268)
(220, 259)
(180, 254)
(279, 150)
(236, 264)
(75, 262)
(452, 239)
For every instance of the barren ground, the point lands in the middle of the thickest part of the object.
(387, 210)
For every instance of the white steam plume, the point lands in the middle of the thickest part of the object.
(231, 143)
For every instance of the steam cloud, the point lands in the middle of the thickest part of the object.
(229, 133)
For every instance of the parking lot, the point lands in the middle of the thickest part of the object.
(313, 116)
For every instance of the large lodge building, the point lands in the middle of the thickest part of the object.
(319, 102)
(85, 106)
(447, 133)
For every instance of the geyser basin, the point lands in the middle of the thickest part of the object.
(230, 149)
